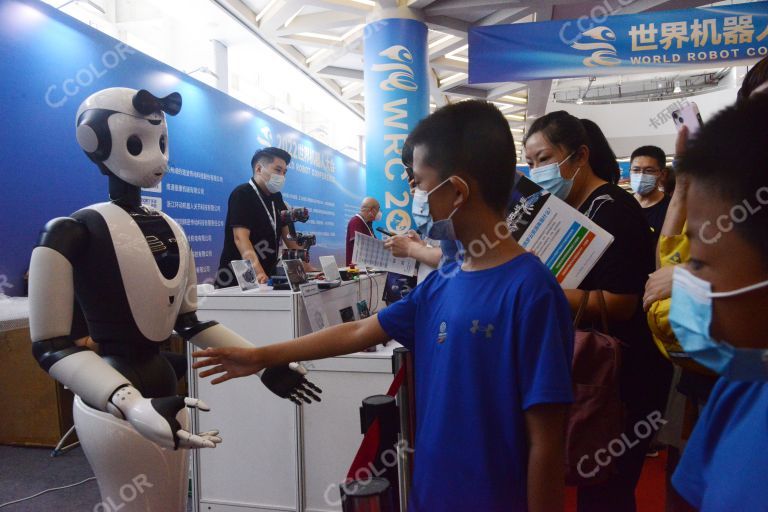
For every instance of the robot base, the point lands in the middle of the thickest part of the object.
(134, 474)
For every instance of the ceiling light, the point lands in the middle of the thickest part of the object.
(266, 9)
(317, 35)
(452, 55)
(515, 99)
(352, 31)
(290, 20)
(316, 55)
(677, 88)
(579, 100)
(515, 117)
(440, 41)
(517, 130)
(450, 79)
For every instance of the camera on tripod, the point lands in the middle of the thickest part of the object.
(292, 215)
(306, 240)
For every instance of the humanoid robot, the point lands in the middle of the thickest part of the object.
(125, 275)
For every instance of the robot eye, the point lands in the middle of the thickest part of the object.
(162, 143)
(134, 145)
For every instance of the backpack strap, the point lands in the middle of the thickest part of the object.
(583, 308)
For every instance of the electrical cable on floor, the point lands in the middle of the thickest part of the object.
(47, 490)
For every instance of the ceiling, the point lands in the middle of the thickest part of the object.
(324, 39)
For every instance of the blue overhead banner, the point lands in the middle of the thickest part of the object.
(396, 99)
(610, 45)
(50, 62)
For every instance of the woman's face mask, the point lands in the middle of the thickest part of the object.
(550, 178)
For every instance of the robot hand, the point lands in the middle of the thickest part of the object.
(155, 418)
(289, 381)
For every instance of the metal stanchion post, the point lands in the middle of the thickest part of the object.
(401, 357)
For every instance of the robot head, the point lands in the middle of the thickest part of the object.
(125, 133)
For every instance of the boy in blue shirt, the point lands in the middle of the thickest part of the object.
(718, 309)
(492, 339)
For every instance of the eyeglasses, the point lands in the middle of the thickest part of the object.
(645, 170)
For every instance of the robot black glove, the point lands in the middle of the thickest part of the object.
(288, 381)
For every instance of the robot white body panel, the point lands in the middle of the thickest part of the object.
(153, 299)
(149, 478)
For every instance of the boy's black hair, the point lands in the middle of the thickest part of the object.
(654, 152)
(755, 77)
(407, 153)
(602, 159)
(268, 155)
(474, 138)
(729, 156)
(562, 129)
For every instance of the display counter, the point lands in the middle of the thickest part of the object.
(276, 456)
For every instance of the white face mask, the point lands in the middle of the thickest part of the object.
(273, 181)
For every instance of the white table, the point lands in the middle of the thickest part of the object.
(277, 456)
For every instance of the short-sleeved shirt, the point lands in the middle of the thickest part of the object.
(356, 225)
(624, 269)
(245, 210)
(655, 216)
(724, 465)
(487, 345)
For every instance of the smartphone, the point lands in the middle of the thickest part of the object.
(688, 116)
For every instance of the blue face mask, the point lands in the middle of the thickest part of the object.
(643, 184)
(551, 179)
(691, 317)
(436, 230)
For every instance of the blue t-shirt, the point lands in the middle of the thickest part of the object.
(725, 463)
(487, 345)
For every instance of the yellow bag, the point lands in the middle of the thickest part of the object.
(673, 250)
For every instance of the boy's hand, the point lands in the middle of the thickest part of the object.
(286, 381)
(233, 362)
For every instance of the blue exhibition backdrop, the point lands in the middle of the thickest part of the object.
(49, 63)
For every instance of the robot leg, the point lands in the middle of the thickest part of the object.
(134, 474)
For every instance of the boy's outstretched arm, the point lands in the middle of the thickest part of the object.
(545, 424)
(340, 339)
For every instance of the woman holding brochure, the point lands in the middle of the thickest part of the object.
(572, 159)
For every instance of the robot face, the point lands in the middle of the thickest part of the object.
(125, 131)
(139, 154)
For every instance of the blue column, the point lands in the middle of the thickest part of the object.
(396, 99)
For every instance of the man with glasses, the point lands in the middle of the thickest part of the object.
(646, 173)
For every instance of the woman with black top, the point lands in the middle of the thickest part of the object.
(584, 175)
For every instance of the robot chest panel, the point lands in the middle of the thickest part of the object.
(152, 253)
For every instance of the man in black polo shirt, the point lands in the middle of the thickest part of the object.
(253, 228)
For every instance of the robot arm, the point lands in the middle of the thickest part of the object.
(51, 305)
(286, 381)
(51, 301)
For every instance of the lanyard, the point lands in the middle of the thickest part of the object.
(273, 215)
(366, 224)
